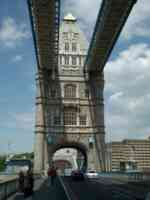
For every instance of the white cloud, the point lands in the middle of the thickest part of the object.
(127, 93)
(17, 129)
(11, 33)
(81, 8)
(138, 22)
(86, 11)
(24, 120)
(19, 120)
(17, 58)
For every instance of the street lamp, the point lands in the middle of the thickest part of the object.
(49, 139)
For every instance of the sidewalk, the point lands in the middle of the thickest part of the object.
(43, 191)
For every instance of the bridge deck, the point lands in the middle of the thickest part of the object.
(89, 189)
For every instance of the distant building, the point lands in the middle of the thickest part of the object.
(129, 154)
(66, 158)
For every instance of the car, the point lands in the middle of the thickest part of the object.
(77, 175)
(92, 174)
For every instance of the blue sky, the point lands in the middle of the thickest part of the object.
(127, 93)
(17, 75)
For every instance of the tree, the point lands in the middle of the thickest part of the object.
(2, 162)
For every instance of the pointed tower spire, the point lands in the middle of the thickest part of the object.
(69, 17)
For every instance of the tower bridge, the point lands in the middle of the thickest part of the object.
(70, 82)
(69, 100)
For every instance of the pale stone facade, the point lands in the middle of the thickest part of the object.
(129, 154)
(74, 108)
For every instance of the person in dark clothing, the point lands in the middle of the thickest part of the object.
(52, 173)
(28, 184)
(21, 182)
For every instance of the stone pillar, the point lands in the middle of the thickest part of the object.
(92, 156)
(46, 158)
(100, 137)
(97, 118)
(40, 129)
(39, 153)
(100, 148)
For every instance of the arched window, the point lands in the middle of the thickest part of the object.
(74, 46)
(74, 60)
(66, 46)
(70, 91)
(66, 59)
(70, 116)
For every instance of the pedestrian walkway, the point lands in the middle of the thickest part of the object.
(44, 191)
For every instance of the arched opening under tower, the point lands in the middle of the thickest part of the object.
(69, 156)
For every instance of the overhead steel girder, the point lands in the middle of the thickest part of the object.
(111, 19)
(44, 18)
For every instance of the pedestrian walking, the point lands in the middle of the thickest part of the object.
(28, 184)
(52, 173)
(21, 182)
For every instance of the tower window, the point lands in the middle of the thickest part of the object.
(66, 46)
(74, 60)
(80, 60)
(60, 59)
(70, 91)
(74, 47)
(66, 60)
(57, 120)
(53, 93)
(91, 142)
(65, 35)
(75, 35)
(70, 117)
(86, 93)
(83, 120)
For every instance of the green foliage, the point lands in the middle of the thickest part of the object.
(24, 156)
(2, 163)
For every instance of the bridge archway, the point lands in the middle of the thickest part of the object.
(72, 145)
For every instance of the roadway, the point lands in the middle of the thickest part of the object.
(104, 188)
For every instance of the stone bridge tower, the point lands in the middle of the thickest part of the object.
(74, 109)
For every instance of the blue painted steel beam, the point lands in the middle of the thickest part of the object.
(94, 61)
(35, 33)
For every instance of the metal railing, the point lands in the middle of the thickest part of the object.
(10, 186)
(7, 188)
(128, 176)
